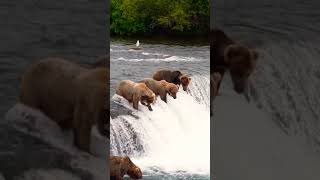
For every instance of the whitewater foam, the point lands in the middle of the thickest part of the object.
(173, 137)
(163, 59)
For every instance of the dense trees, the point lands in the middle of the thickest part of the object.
(129, 17)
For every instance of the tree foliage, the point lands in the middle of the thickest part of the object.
(159, 16)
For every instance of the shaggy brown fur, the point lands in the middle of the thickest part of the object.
(169, 76)
(120, 166)
(73, 96)
(215, 78)
(161, 88)
(185, 80)
(135, 92)
(175, 77)
(229, 55)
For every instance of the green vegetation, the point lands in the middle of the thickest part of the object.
(132, 17)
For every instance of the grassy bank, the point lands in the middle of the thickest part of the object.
(160, 17)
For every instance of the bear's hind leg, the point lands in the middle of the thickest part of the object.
(82, 127)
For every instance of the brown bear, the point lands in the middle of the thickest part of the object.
(120, 166)
(135, 92)
(175, 77)
(161, 88)
(185, 80)
(229, 55)
(215, 78)
(71, 95)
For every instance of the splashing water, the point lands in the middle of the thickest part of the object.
(174, 137)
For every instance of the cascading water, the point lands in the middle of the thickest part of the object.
(291, 72)
(172, 138)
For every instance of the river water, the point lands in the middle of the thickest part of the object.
(286, 82)
(172, 141)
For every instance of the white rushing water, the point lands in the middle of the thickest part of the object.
(173, 137)
(248, 145)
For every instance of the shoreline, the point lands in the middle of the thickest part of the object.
(196, 40)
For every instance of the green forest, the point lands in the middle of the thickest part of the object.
(143, 17)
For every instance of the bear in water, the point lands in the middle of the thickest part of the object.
(73, 96)
(225, 54)
(120, 166)
(135, 92)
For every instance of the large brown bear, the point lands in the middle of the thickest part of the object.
(73, 96)
(229, 55)
(161, 88)
(120, 166)
(175, 77)
(135, 93)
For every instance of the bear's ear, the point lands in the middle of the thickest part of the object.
(231, 51)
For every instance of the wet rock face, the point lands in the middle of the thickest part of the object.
(30, 30)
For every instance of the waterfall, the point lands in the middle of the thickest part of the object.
(174, 137)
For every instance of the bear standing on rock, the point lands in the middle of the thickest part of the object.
(229, 55)
(135, 93)
(175, 77)
(161, 88)
(120, 166)
(73, 96)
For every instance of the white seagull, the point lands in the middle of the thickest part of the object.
(137, 48)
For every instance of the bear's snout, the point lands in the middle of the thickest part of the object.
(184, 88)
(135, 173)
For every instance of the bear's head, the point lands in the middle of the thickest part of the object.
(241, 62)
(147, 95)
(133, 170)
(185, 80)
(172, 89)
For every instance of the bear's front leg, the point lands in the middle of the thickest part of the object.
(82, 127)
(135, 100)
(164, 97)
(149, 107)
